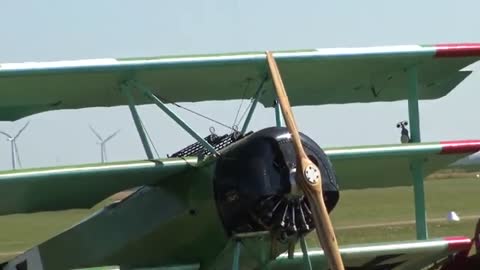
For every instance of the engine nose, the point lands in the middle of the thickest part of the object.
(255, 188)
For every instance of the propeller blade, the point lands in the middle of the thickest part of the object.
(21, 130)
(95, 132)
(111, 136)
(308, 174)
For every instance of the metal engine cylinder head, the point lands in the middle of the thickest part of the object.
(255, 187)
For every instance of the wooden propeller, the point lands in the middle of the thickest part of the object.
(308, 177)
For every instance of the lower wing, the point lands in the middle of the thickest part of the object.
(394, 256)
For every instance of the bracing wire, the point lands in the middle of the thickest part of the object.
(241, 104)
(234, 127)
(194, 112)
(252, 99)
(149, 139)
(246, 110)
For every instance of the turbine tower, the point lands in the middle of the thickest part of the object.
(13, 146)
(103, 151)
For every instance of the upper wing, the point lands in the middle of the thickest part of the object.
(47, 189)
(313, 77)
(389, 165)
(394, 256)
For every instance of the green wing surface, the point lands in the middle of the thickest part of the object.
(46, 189)
(24, 191)
(394, 256)
(389, 165)
(313, 77)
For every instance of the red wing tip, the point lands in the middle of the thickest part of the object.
(457, 50)
(458, 243)
(459, 147)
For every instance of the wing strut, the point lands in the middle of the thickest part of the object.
(236, 255)
(307, 264)
(416, 166)
(148, 93)
(136, 119)
(278, 114)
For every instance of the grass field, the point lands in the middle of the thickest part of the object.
(379, 215)
(370, 215)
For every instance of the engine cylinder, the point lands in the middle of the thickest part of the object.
(254, 184)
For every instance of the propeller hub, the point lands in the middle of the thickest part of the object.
(312, 174)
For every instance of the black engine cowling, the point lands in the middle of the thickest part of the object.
(255, 184)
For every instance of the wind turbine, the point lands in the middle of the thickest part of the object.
(103, 151)
(13, 145)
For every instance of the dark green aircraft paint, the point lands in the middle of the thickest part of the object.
(175, 222)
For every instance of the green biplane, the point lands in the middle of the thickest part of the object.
(235, 201)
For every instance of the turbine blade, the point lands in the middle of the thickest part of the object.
(6, 135)
(95, 132)
(111, 136)
(21, 130)
(104, 153)
(12, 152)
(102, 157)
(17, 154)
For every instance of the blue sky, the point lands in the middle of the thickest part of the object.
(57, 30)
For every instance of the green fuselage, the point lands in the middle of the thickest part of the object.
(175, 222)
